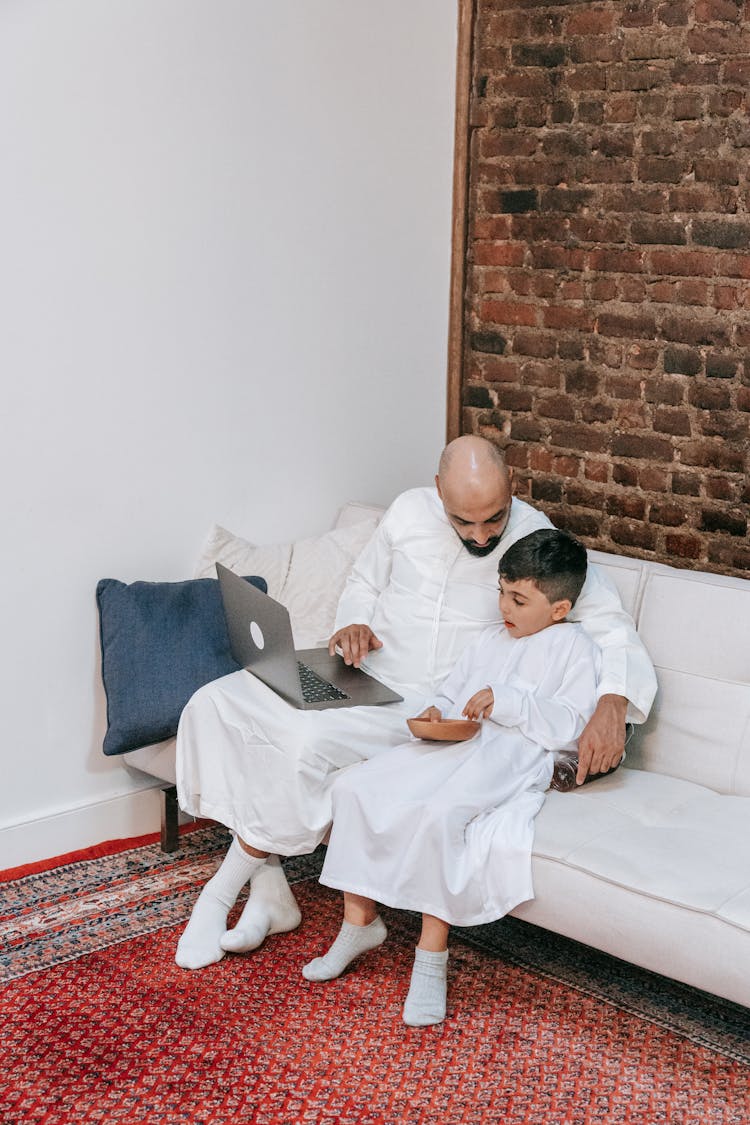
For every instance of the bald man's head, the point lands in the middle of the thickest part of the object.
(474, 485)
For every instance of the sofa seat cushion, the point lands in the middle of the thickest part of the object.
(658, 836)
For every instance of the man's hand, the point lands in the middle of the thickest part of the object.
(355, 641)
(431, 714)
(602, 744)
(480, 705)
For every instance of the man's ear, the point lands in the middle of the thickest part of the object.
(561, 609)
(511, 482)
(437, 486)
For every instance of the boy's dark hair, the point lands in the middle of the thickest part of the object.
(553, 560)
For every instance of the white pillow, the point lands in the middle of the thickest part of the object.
(307, 576)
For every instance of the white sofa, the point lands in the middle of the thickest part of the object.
(650, 864)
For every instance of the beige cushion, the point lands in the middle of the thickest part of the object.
(307, 576)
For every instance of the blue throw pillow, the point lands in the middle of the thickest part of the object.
(160, 642)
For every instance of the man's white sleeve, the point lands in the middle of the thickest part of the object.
(626, 667)
(367, 579)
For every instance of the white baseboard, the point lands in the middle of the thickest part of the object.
(132, 814)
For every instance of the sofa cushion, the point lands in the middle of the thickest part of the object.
(307, 576)
(160, 642)
(695, 627)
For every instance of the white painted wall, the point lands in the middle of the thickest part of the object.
(224, 260)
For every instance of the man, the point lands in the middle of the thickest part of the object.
(424, 586)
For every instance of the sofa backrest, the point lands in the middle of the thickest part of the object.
(696, 627)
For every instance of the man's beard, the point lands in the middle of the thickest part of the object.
(479, 552)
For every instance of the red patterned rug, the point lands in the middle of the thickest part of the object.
(99, 1024)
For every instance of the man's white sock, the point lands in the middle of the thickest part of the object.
(200, 943)
(426, 1001)
(271, 909)
(351, 941)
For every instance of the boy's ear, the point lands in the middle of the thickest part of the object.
(561, 609)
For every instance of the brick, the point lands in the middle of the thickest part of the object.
(563, 316)
(672, 422)
(592, 112)
(507, 312)
(669, 392)
(562, 113)
(682, 264)
(579, 437)
(566, 466)
(540, 459)
(590, 21)
(730, 556)
(534, 343)
(614, 324)
(721, 366)
(571, 348)
(473, 395)
(662, 232)
(713, 455)
(491, 342)
(693, 73)
(516, 456)
(682, 361)
(714, 11)
(525, 429)
(662, 170)
(560, 407)
(669, 515)
(724, 424)
(490, 228)
(565, 199)
(514, 202)
(717, 171)
(596, 412)
(549, 490)
(498, 254)
(724, 234)
(578, 523)
(514, 398)
(548, 56)
(633, 534)
(652, 479)
(642, 357)
(622, 387)
(693, 291)
(557, 257)
(743, 398)
(597, 471)
(582, 381)
(642, 445)
(616, 261)
(718, 41)
(688, 106)
(683, 546)
(632, 290)
(715, 519)
(709, 397)
(582, 497)
(720, 488)
(685, 484)
(695, 332)
(625, 475)
(626, 504)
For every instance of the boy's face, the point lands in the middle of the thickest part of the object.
(526, 610)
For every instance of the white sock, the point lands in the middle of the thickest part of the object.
(271, 909)
(425, 1003)
(199, 944)
(351, 941)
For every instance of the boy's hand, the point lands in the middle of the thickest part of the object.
(431, 714)
(480, 705)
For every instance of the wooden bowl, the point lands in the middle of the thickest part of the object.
(445, 730)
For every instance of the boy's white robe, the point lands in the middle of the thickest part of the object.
(447, 828)
(251, 761)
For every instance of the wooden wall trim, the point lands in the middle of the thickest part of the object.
(466, 17)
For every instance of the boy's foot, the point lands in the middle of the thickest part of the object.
(351, 942)
(426, 1000)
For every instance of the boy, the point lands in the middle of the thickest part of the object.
(447, 828)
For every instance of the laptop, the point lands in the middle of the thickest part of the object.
(260, 639)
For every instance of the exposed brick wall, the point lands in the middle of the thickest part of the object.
(607, 320)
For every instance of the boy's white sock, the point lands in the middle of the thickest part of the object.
(351, 941)
(200, 943)
(271, 909)
(425, 1003)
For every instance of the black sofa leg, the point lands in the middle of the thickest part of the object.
(170, 836)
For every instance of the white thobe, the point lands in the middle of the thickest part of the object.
(253, 762)
(447, 829)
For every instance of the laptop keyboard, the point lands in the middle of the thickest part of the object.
(314, 688)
